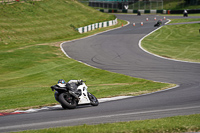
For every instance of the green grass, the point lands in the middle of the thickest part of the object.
(31, 59)
(184, 20)
(176, 124)
(196, 14)
(175, 4)
(179, 42)
(44, 21)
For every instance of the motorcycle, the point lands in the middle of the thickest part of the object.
(73, 93)
(158, 23)
(185, 13)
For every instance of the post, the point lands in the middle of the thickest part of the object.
(112, 5)
(150, 5)
(139, 5)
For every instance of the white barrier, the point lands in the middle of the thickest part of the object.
(93, 26)
(105, 24)
(153, 11)
(130, 11)
(96, 26)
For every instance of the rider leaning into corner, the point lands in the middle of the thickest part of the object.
(158, 23)
(73, 93)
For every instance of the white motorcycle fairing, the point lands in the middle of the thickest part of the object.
(83, 99)
(84, 94)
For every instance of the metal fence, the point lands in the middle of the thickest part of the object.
(142, 4)
(126, 4)
(147, 5)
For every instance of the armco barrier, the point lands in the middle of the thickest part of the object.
(96, 26)
(159, 11)
(131, 11)
(147, 11)
(150, 11)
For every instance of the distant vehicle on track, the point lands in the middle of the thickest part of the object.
(158, 23)
(185, 13)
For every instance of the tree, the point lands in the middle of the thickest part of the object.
(191, 2)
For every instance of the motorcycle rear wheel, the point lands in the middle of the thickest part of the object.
(93, 99)
(67, 101)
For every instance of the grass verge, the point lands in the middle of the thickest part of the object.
(184, 20)
(45, 21)
(165, 125)
(179, 42)
(195, 14)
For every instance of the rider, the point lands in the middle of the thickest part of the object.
(185, 13)
(158, 23)
(61, 83)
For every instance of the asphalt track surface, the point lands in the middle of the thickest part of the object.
(118, 51)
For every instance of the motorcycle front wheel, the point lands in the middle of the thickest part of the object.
(94, 101)
(67, 101)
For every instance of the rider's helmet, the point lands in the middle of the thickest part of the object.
(61, 83)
